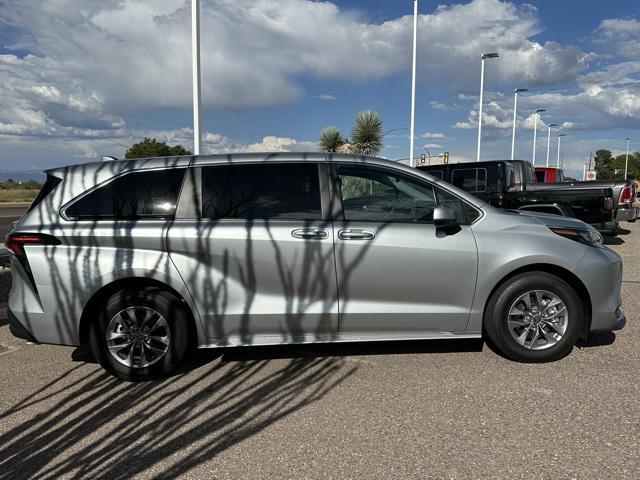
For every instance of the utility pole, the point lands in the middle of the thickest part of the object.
(484, 57)
(626, 162)
(195, 60)
(536, 114)
(549, 140)
(560, 135)
(515, 109)
(413, 81)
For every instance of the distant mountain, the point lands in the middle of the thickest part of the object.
(21, 175)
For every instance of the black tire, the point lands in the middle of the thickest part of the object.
(179, 334)
(497, 312)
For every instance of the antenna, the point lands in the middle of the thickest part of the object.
(108, 158)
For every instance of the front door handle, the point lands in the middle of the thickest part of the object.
(310, 233)
(355, 234)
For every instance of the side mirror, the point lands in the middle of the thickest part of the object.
(444, 217)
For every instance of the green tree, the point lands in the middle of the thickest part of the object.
(331, 139)
(633, 167)
(150, 147)
(366, 139)
(366, 136)
(604, 164)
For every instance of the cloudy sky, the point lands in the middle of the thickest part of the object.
(80, 79)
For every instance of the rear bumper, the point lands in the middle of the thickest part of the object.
(627, 214)
(18, 330)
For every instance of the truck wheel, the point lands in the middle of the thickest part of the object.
(534, 317)
(141, 335)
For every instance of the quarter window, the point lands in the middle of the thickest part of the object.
(136, 195)
(278, 191)
(470, 179)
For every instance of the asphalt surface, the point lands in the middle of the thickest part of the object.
(9, 213)
(402, 410)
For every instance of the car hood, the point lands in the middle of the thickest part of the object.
(551, 220)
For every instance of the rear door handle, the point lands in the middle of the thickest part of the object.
(355, 234)
(310, 233)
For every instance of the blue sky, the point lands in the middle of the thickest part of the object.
(80, 82)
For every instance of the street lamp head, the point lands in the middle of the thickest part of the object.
(490, 55)
(562, 135)
(553, 125)
(520, 90)
(539, 110)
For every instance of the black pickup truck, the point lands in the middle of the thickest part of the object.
(510, 184)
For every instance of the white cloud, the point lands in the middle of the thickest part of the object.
(443, 106)
(133, 53)
(432, 145)
(325, 96)
(624, 33)
(433, 135)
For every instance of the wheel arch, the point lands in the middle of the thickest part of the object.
(101, 295)
(560, 272)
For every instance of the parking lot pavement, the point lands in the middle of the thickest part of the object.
(403, 410)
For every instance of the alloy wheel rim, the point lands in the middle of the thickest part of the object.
(138, 337)
(538, 319)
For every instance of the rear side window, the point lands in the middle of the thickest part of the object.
(49, 186)
(278, 191)
(136, 195)
(470, 179)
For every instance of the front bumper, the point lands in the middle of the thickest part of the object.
(627, 214)
(600, 269)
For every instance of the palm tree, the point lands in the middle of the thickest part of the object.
(331, 139)
(366, 137)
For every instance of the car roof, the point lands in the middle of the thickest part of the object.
(93, 173)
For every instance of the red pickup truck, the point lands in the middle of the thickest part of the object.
(549, 175)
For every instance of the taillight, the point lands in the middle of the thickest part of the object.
(626, 195)
(16, 241)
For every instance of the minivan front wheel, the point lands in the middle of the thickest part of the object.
(140, 335)
(534, 317)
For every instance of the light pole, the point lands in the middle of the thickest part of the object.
(484, 57)
(195, 54)
(560, 135)
(413, 81)
(549, 139)
(515, 109)
(537, 113)
(626, 162)
(584, 171)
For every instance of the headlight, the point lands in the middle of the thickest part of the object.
(587, 237)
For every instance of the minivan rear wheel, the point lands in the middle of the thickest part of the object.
(140, 335)
(534, 317)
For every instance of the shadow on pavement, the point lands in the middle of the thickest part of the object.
(597, 339)
(609, 240)
(91, 425)
(86, 423)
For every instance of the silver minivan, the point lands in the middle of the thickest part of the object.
(146, 259)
